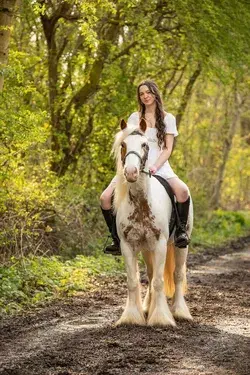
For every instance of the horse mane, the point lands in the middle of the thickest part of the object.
(121, 188)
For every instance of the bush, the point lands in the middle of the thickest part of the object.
(219, 227)
(32, 280)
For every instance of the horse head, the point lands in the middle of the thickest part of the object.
(133, 150)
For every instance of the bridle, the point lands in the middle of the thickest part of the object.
(142, 159)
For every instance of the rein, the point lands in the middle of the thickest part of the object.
(148, 173)
(142, 160)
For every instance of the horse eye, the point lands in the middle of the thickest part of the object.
(122, 144)
(144, 145)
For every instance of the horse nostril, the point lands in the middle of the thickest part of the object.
(130, 170)
(131, 174)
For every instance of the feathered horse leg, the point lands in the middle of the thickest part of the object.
(133, 313)
(180, 309)
(147, 256)
(159, 313)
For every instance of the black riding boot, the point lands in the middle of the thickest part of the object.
(114, 247)
(181, 237)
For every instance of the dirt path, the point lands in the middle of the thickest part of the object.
(77, 336)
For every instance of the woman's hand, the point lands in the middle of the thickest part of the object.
(153, 169)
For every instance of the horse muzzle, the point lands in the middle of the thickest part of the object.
(131, 174)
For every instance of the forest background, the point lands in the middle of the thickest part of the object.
(69, 71)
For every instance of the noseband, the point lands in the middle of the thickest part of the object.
(142, 159)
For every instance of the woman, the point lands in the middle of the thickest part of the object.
(161, 130)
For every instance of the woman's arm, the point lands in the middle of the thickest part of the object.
(165, 154)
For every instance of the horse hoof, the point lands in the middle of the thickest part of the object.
(124, 322)
(182, 314)
(131, 319)
(161, 319)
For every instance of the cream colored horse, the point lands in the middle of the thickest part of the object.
(143, 211)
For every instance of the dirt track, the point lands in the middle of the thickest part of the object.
(77, 336)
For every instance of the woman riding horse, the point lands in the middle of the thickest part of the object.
(143, 214)
(161, 130)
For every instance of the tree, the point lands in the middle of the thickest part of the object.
(7, 10)
(86, 41)
(232, 118)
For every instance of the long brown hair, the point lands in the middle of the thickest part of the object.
(159, 111)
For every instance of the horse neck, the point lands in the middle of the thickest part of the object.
(130, 192)
(140, 188)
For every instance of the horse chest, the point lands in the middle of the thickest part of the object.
(139, 225)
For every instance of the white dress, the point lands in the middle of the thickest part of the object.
(154, 150)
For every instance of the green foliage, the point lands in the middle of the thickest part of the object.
(237, 175)
(163, 40)
(79, 225)
(28, 187)
(33, 280)
(220, 227)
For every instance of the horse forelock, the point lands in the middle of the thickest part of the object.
(119, 138)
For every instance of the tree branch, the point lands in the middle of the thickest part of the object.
(70, 154)
(77, 48)
(125, 51)
(91, 86)
(178, 80)
(187, 94)
(62, 48)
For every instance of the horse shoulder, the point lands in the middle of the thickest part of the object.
(158, 192)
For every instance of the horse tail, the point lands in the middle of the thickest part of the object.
(169, 285)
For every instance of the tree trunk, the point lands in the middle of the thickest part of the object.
(245, 128)
(7, 8)
(62, 117)
(187, 95)
(215, 199)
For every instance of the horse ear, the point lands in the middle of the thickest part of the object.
(143, 125)
(123, 124)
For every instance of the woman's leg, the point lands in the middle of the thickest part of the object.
(180, 189)
(110, 219)
(181, 192)
(106, 196)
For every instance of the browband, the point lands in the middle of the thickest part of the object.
(136, 132)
